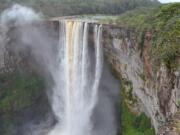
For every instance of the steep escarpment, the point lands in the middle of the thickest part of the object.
(145, 56)
(157, 98)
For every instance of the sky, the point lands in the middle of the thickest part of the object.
(167, 1)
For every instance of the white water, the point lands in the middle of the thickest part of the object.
(76, 79)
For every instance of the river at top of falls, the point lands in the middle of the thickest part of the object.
(77, 78)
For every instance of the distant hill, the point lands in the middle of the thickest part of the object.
(77, 7)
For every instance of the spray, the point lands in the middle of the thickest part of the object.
(78, 94)
(75, 99)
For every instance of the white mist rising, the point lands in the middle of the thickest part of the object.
(76, 85)
(14, 16)
(19, 14)
(82, 100)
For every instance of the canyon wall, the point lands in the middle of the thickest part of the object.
(144, 89)
(155, 92)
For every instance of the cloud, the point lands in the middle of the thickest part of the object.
(169, 1)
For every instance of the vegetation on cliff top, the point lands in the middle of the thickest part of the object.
(77, 7)
(167, 38)
(164, 24)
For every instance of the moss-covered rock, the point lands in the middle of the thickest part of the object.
(19, 90)
(22, 100)
(133, 124)
(131, 121)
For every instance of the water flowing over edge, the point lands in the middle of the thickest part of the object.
(77, 78)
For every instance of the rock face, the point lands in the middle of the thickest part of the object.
(2, 50)
(24, 108)
(157, 92)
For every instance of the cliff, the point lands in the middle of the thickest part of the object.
(157, 93)
(149, 72)
(144, 54)
(147, 85)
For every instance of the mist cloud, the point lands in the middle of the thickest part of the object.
(19, 14)
(23, 35)
(37, 40)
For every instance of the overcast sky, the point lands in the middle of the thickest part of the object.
(167, 1)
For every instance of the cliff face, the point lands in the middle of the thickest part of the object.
(156, 92)
(24, 105)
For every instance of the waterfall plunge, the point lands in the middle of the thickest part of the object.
(76, 79)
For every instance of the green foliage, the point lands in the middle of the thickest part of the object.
(135, 125)
(164, 23)
(167, 12)
(132, 123)
(77, 7)
(131, 19)
(18, 90)
(166, 44)
(127, 91)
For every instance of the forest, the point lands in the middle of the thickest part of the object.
(77, 7)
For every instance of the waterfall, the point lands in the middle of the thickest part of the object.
(77, 78)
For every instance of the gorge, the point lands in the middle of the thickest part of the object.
(95, 79)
